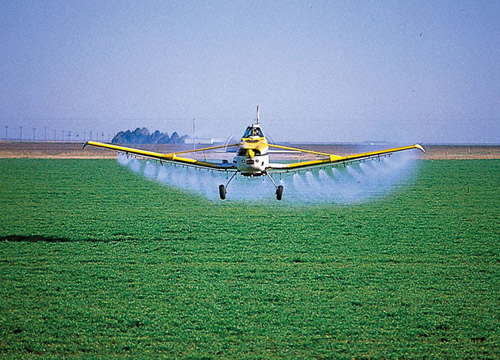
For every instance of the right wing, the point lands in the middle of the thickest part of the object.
(172, 157)
(331, 158)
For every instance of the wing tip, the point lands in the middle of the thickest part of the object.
(420, 147)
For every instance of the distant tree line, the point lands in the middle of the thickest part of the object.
(142, 136)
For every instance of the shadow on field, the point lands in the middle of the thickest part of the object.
(32, 238)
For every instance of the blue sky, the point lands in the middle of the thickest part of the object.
(339, 71)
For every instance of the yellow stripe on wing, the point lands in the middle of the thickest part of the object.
(385, 151)
(150, 154)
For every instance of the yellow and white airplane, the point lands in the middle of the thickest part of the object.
(253, 157)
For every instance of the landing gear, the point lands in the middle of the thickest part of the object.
(223, 189)
(279, 192)
(279, 189)
(222, 192)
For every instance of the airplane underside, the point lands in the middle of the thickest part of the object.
(279, 188)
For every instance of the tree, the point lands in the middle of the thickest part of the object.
(142, 136)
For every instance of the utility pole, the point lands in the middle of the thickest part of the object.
(21, 133)
(6, 133)
(69, 135)
(194, 134)
(45, 128)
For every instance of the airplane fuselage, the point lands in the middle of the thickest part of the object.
(253, 157)
(254, 166)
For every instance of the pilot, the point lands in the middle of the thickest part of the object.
(254, 132)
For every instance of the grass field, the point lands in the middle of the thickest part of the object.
(97, 262)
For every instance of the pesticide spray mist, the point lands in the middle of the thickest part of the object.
(351, 184)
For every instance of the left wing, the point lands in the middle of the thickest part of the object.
(331, 158)
(172, 157)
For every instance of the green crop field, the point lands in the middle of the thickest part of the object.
(97, 262)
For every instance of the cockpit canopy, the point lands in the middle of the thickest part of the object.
(253, 130)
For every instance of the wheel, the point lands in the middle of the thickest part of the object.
(279, 192)
(222, 192)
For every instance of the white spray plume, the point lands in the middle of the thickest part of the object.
(353, 184)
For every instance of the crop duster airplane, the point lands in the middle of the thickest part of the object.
(253, 157)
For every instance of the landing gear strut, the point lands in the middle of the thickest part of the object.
(279, 189)
(223, 189)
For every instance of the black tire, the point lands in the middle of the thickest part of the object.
(222, 192)
(279, 192)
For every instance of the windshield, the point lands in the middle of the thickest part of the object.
(253, 131)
